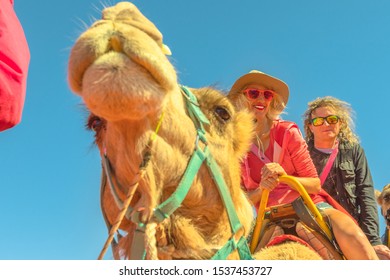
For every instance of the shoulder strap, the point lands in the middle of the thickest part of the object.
(329, 164)
(256, 152)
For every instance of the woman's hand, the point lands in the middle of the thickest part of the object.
(270, 175)
(382, 251)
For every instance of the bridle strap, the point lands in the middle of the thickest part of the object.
(165, 209)
(235, 224)
(194, 111)
(103, 185)
(107, 172)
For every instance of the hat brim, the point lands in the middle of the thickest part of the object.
(263, 79)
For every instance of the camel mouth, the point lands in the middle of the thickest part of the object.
(117, 64)
(125, 40)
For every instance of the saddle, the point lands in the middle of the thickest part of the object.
(295, 222)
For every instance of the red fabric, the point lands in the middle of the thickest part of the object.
(329, 199)
(287, 237)
(14, 61)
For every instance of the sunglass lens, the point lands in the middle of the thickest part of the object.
(332, 119)
(252, 93)
(317, 121)
(268, 94)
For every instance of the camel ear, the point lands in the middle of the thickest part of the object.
(378, 197)
(380, 194)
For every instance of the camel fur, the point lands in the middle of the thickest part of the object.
(119, 68)
(383, 199)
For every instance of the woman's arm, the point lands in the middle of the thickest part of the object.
(312, 185)
(272, 171)
(365, 197)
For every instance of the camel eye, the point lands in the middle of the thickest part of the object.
(386, 198)
(94, 123)
(222, 113)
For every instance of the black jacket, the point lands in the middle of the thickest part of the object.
(352, 186)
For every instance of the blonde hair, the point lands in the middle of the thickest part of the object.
(276, 108)
(342, 109)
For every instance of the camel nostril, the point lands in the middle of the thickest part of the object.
(115, 43)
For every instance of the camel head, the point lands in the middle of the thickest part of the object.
(123, 46)
(383, 199)
(140, 118)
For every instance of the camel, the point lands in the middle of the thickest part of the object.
(147, 128)
(383, 199)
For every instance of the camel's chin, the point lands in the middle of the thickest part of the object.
(115, 81)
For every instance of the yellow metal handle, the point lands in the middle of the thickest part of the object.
(293, 182)
(296, 185)
(388, 238)
(259, 220)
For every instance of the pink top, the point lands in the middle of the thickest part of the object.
(14, 61)
(294, 158)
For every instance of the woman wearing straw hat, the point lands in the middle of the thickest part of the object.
(279, 149)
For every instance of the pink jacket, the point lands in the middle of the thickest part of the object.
(292, 154)
(14, 62)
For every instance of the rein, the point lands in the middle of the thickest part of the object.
(169, 206)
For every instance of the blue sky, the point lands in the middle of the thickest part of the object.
(49, 203)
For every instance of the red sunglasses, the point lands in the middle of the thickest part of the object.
(254, 93)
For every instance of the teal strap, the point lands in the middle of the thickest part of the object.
(165, 209)
(225, 251)
(194, 111)
(197, 114)
(230, 246)
(243, 249)
(225, 194)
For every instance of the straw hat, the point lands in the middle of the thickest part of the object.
(260, 78)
